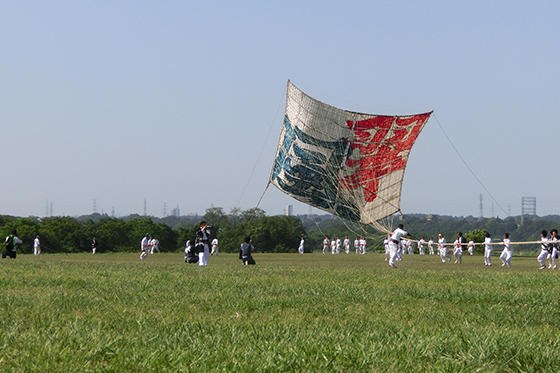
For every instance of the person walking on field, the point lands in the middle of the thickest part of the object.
(93, 246)
(12, 241)
(326, 244)
(394, 242)
(544, 250)
(333, 246)
(201, 244)
(214, 247)
(144, 247)
(357, 245)
(36, 246)
(442, 248)
(488, 248)
(431, 246)
(338, 245)
(507, 252)
(301, 246)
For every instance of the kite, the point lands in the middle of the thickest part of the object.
(346, 163)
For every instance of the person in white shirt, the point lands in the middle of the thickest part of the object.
(144, 247)
(457, 252)
(346, 244)
(431, 246)
(326, 244)
(394, 242)
(357, 245)
(338, 245)
(507, 252)
(544, 250)
(363, 245)
(471, 247)
(410, 247)
(36, 246)
(301, 246)
(333, 246)
(442, 248)
(154, 246)
(488, 248)
(554, 241)
(214, 247)
(421, 246)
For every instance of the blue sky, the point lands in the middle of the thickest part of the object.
(181, 102)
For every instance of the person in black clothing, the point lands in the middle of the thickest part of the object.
(12, 242)
(202, 243)
(245, 252)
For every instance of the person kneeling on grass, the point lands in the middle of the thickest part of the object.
(245, 252)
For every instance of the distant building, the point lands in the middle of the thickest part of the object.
(289, 210)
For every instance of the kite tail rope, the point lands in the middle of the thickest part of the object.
(257, 206)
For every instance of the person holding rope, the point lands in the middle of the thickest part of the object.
(544, 250)
(431, 246)
(553, 249)
(326, 244)
(507, 252)
(394, 243)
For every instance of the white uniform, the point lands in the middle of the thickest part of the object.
(357, 246)
(458, 251)
(363, 245)
(410, 247)
(421, 246)
(300, 248)
(431, 247)
(394, 245)
(36, 247)
(154, 246)
(488, 248)
(544, 252)
(346, 244)
(214, 247)
(326, 244)
(386, 246)
(554, 254)
(144, 248)
(333, 247)
(507, 253)
(442, 249)
(471, 247)
(338, 245)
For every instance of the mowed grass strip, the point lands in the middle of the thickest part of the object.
(112, 312)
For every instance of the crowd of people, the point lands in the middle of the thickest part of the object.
(396, 245)
(336, 245)
(199, 249)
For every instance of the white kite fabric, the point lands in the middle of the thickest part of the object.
(346, 163)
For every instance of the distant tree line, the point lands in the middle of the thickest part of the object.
(269, 233)
(69, 235)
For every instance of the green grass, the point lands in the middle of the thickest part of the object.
(112, 312)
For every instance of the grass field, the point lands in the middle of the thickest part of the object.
(111, 312)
